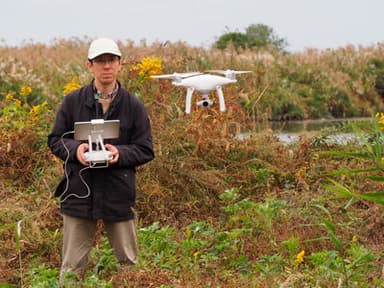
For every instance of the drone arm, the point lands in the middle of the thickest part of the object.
(220, 95)
(188, 100)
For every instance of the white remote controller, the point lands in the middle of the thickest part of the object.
(98, 156)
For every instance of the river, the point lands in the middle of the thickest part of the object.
(291, 131)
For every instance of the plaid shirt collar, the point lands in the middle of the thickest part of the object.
(109, 96)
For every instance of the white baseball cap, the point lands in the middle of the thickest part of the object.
(103, 46)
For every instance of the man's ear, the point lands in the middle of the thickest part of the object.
(89, 65)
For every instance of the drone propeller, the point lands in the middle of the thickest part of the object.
(228, 71)
(231, 74)
(176, 76)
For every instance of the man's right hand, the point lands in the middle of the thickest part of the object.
(81, 149)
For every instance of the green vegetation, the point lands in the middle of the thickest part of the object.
(213, 211)
(255, 36)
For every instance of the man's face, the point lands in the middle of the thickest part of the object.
(105, 68)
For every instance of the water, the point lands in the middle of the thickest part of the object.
(291, 131)
(337, 138)
(312, 125)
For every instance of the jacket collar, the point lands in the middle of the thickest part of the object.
(91, 93)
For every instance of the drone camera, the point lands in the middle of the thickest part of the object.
(205, 103)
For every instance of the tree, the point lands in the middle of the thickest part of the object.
(261, 35)
(256, 35)
(238, 40)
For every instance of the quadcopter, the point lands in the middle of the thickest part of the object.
(203, 83)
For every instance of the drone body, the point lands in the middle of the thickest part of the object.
(204, 84)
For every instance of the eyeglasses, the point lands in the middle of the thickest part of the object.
(104, 59)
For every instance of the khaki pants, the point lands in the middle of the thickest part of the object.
(79, 237)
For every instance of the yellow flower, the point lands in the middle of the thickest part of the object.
(299, 173)
(9, 97)
(37, 111)
(380, 120)
(34, 112)
(196, 254)
(300, 257)
(18, 103)
(149, 66)
(71, 86)
(380, 117)
(354, 239)
(25, 90)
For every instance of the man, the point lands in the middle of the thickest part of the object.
(89, 193)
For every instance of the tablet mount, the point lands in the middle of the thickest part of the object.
(100, 155)
(96, 131)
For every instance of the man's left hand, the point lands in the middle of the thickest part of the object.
(115, 153)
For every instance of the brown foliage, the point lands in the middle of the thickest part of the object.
(20, 158)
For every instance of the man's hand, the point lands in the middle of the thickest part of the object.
(115, 153)
(81, 149)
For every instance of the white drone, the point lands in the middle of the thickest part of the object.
(203, 83)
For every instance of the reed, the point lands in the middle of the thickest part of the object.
(230, 212)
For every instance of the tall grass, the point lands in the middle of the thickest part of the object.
(214, 211)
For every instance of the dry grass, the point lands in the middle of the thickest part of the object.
(197, 157)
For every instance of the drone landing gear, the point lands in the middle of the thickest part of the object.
(205, 102)
(220, 95)
(188, 100)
